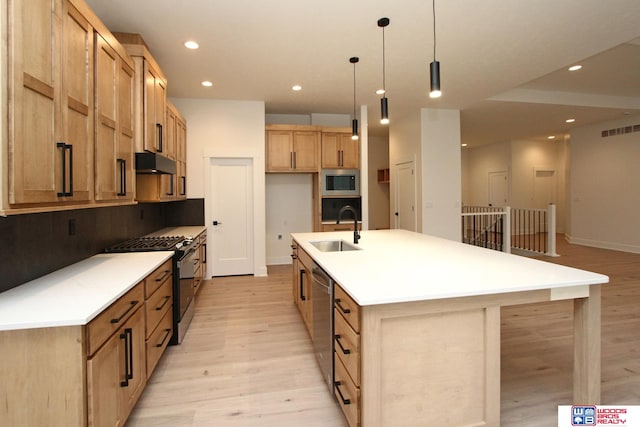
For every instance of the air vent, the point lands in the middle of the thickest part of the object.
(620, 131)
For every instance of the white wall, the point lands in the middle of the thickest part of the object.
(289, 210)
(441, 173)
(604, 179)
(478, 164)
(378, 192)
(405, 146)
(217, 128)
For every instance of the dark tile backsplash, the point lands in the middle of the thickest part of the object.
(37, 244)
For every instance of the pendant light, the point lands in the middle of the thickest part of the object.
(384, 104)
(435, 65)
(354, 123)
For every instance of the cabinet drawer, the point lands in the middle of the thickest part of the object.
(157, 278)
(156, 306)
(347, 393)
(112, 318)
(347, 346)
(347, 307)
(304, 258)
(158, 341)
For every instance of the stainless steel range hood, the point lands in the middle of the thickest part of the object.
(154, 163)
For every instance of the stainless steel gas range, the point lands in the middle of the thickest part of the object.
(184, 261)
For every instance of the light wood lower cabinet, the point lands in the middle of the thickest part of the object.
(302, 284)
(347, 359)
(87, 375)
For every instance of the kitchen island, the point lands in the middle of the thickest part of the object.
(429, 324)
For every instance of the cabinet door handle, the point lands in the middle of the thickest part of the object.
(183, 190)
(344, 401)
(341, 158)
(166, 300)
(302, 297)
(124, 336)
(166, 335)
(129, 333)
(344, 350)
(204, 253)
(291, 160)
(159, 136)
(122, 167)
(170, 192)
(344, 310)
(65, 148)
(118, 319)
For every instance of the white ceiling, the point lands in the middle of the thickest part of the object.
(503, 62)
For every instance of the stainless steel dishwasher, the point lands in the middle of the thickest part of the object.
(322, 303)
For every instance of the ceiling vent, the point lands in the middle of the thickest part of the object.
(620, 131)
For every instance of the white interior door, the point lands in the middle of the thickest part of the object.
(498, 189)
(544, 188)
(230, 216)
(405, 197)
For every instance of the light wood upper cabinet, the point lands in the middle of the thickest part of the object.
(340, 151)
(51, 101)
(63, 146)
(150, 96)
(114, 132)
(292, 150)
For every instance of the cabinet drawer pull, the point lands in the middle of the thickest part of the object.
(166, 300)
(344, 401)
(294, 256)
(166, 335)
(344, 350)
(118, 319)
(164, 275)
(344, 310)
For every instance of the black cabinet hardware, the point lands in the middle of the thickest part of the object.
(344, 350)
(166, 300)
(302, 297)
(164, 275)
(66, 148)
(118, 319)
(159, 146)
(167, 332)
(122, 168)
(344, 310)
(344, 401)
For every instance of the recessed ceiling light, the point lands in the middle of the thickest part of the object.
(464, 145)
(575, 67)
(297, 88)
(551, 137)
(207, 83)
(190, 44)
(570, 120)
(380, 91)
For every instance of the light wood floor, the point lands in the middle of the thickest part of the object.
(247, 359)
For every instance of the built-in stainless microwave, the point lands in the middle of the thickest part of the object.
(340, 182)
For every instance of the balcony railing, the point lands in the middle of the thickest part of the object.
(527, 231)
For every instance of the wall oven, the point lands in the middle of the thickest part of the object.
(185, 260)
(340, 182)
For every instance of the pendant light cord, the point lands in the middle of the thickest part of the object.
(354, 90)
(434, 29)
(384, 87)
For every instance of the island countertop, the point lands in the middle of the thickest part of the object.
(402, 266)
(74, 295)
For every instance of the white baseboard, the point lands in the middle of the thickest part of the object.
(279, 260)
(603, 245)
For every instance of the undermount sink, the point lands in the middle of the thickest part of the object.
(334, 246)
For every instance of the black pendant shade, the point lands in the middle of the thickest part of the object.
(435, 80)
(384, 111)
(354, 129)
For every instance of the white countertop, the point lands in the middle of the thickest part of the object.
(402, 266)
(187, 231)
(76, 294)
